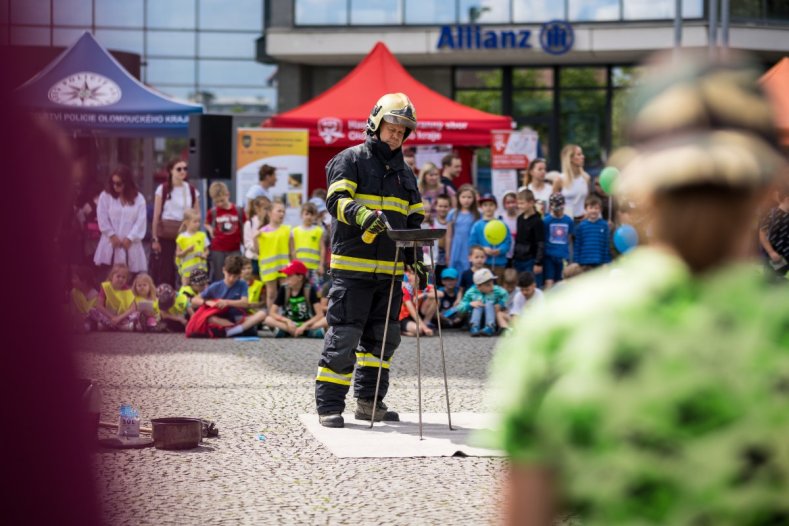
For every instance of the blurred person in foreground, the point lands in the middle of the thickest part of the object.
(656, 394)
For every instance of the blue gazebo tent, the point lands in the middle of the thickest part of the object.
(86, 91)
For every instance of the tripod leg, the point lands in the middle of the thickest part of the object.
(418, 350)
(383, 342)
(441, 346)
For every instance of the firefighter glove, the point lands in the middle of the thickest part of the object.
(373, 223)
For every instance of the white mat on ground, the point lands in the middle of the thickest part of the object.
(401, 439)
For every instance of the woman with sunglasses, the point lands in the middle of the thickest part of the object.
(171, 200)
(122, 222)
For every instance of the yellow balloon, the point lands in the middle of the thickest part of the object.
(495, 232)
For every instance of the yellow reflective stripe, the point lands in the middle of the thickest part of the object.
(395, 204)
(376, 202)
(327, 375)
(341, 205)
(365, 359)
(372, 202)
(372, 266)
(343, 185)
(417, 208)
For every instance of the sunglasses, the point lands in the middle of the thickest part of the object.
(117, 184)
(180, 168)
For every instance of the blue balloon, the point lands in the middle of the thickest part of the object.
(625, 238)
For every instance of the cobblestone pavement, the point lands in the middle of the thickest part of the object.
(249, 388)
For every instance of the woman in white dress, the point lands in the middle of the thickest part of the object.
(121, 216)
(574, 181)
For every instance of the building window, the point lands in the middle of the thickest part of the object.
(376, 12)
(479, 88)
(128, 13)
(430, 11)
(537, 10)
(30, 11)
(593, 10)
(239, 15)
(72, 12)
(172, 14)
(484, 11)
(321, 12)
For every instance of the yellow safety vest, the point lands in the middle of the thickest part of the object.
(178, 308)
(117, 301)
(193, 260)
(274, 253)
(81, 302)
(307, 243)
(254, 290)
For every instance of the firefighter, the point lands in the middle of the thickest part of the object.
(365, 181)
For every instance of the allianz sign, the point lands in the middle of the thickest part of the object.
(556, 37)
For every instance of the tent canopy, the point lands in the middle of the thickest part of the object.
(87, 91)
(776, 83)
(338, 117)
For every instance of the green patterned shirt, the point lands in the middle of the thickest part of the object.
(659, 397)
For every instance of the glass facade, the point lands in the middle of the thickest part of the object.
(564, 104)
(432, 12)
(202, 50)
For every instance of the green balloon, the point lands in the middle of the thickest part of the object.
(495, 232)
(607, 178)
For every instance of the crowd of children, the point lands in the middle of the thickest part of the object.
(281, 280)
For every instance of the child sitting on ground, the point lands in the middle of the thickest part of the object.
(172, 308)
(254, 287)
(448, 297)
(527, 294)
(83, 298)
(221, 307)
(144, 292)
(510, 283)
(114, 310)
(486, 302)
(196, 284)
(296, 311)
(408, 317)
(476, 258)
(191, 246)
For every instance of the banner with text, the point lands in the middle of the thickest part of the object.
(510, 151)
(287, 152)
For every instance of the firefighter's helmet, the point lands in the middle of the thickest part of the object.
(395, 108)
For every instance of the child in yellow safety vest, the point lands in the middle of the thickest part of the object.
(83, 298)
(114, 309)
(144, 291)
(254, 287)
(307, 242)
(273, 243)
(191, 246)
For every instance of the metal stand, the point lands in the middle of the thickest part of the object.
(413, 239)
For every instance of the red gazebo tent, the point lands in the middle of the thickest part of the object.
(776, 83)
(337, 118)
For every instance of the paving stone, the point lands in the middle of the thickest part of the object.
(249, 388)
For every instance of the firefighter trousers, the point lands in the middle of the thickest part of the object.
(356, 316)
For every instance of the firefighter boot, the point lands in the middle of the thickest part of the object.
(331, 420)
(364, 411)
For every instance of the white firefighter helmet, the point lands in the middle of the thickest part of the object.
(395, 108)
